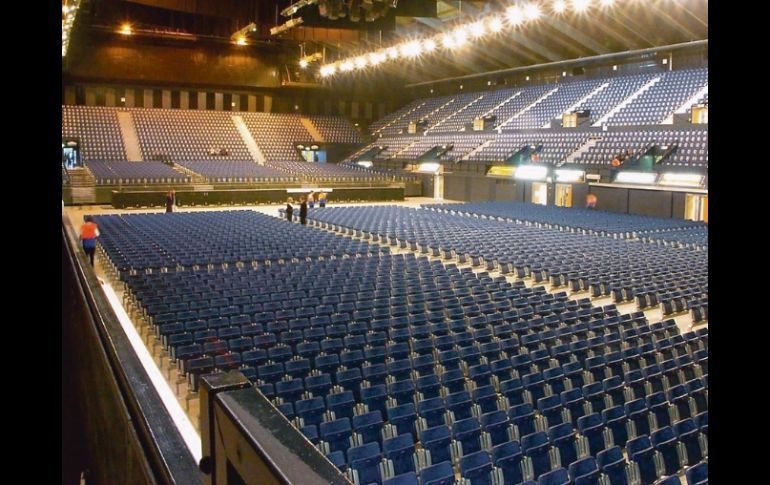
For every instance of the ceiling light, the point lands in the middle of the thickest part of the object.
(125, 29)
(411, 49)
(346, 66)
(559, 6)
(495, 25)
(478, 29)
(515, 15)
(532, 12)
(448, 40)
(376, 58)
(430, 45)
(360, 62)
(303, 63)
(580, 5)
(392, 53)
(460, 36)
(607, 3)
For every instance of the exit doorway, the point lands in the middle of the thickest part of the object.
(697, 207)
(540, 193)
(563, 195)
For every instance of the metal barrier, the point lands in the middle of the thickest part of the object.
(246, 440)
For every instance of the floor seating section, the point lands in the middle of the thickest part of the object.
(628, 270)
(406, 369)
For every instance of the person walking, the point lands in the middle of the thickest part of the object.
(303, 211)
(89, 231)
(591, 200)
(322, 199)
(311, 199)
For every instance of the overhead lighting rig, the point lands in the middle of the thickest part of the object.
(240, 37)
(68, 12)
(294, 8)
(290, 24)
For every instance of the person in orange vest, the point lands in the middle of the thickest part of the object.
(89, 231)
(591, 201)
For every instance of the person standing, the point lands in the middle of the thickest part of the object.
(311, 199)
(303, 211)
(89, 231)
(170, 201)
(322, 199)
(289, 209)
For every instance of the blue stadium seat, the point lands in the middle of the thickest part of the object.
(641, 452)
(585, 472)
(364, 461)
(554, 477)
(477, 468)
(403, 479)
(336, 434)
(537, 447)
(671, 450)
(400, 451)
(437, 474)
(698, 475)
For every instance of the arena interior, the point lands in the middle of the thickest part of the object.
(507, 282)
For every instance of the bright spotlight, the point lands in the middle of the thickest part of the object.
(303, 63)
(478, 29)
(532, 12)
(495, 25)
(411, 49)
(515, 15)
(430, 45)
(360, 62)
(392, 53)
(346, 66)
(559, 6)
(460, 36)
(125, 29)
(580, 5)
(448, 40)
(327, 70)
(606, 3)
(376, 58)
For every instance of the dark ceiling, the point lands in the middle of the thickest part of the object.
(627, 25)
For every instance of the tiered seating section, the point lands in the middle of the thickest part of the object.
(111, 173)
(532, 107)
(558, 146)
(97, 130)
(336, 130)
(400, 367)
(692, 148)
(323, 172)
(229, 171)
(188, 135)
(662, 98)
(643, 99)
(277, 134)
